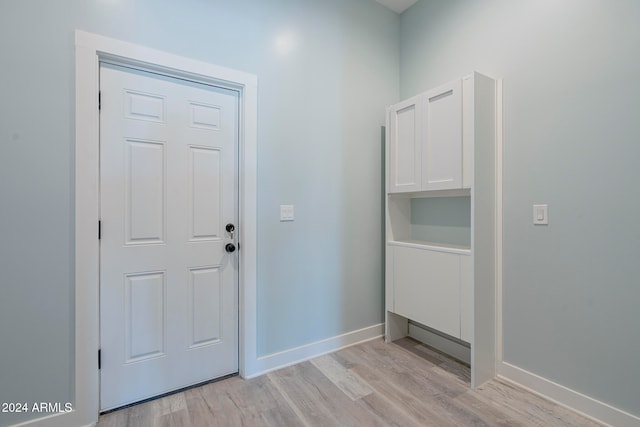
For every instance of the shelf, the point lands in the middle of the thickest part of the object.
(460, 192)
(442, 221)
(428, 246)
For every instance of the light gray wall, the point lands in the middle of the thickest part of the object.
(571, 133)
(321, 106)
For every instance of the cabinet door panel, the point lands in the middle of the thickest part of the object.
(466, 298)
(442, 152)
(426, 288)
(405, 146)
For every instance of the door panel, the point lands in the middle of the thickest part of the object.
(204, 193)
(168, 185)
(144, 188)
(405, 146)
(204, 299)
(427, 288)
(442, 156)
(145, 296)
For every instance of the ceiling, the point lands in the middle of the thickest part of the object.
(397, 6)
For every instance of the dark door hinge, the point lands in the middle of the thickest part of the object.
(99, 229)
(99, 359)
(99, 100)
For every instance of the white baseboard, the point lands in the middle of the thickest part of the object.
(55, 420)
(263, 365)
(282, 359)
(587, 406)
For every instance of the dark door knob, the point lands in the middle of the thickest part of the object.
(230, 247)
(229, 227)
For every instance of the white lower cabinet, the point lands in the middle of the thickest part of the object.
(428, 288)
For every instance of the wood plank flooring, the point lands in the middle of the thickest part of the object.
(372, 384)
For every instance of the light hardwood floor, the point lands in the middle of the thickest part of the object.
(371, 384)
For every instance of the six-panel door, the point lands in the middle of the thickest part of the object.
(168, 183)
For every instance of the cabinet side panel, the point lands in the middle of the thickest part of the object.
(399, 218)
(484, 244)
(467, 132)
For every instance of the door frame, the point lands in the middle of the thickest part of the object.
(90, 50)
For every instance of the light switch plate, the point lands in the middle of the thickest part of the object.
(286, 213)
(540, 214)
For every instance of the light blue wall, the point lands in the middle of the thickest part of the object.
(321, 106)
(571, 133)
(445, 220)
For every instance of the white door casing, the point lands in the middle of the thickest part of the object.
(90, 49)
(168, 185)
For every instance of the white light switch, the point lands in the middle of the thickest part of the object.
(540, 215)
(286, 213)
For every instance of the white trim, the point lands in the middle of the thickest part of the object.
(89, 49)
(56, 420)
(576, 401)
(499, 224)
(295, 355)
(587, 406)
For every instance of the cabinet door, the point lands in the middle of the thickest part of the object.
(405, 146)
(427, 288)
(442, 151)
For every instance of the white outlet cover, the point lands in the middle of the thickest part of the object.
(540, 214)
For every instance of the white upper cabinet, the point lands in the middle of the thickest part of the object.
(425, 141)
(442, 141)
(405, 151)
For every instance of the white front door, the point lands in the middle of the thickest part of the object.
(168, 189)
